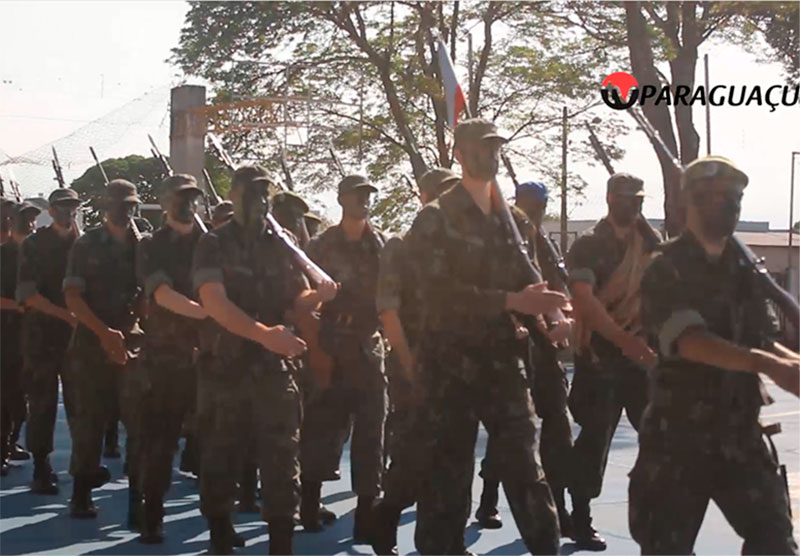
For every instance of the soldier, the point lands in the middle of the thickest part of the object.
(700, 438)
(401, 313)
(605, 269)
(12, 405)
(6, 218)
(313, 223)
(46, 329)
(289, 210)
(166, 361)
(100, 288)
(356, 390)
(549, 384)
(221, 214)
(247, 281)
(471, 279)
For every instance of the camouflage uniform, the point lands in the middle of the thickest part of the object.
(12, 404)
(471, 373)
(103, 270)
(241, 386)
(166, 362)
(357, 395)
(42, 266)
(700, 438)
(605, 382)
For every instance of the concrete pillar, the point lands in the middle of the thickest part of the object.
(187, 131)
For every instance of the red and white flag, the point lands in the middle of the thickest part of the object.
(456, 101)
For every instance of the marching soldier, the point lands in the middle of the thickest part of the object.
(247, 281)
(166, 361)
(605, 269)
(289, 210)
(470, 279)
(349, 252)
(101, 289)
(400, 312)
(12, 404)
(700, 438)
(47, 327)
(313, 223)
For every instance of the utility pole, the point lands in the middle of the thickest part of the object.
(790, 270)
(564, 131)
(708, 109)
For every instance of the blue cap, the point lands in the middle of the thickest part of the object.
(534, 188)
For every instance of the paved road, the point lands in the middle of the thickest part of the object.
(40, 525)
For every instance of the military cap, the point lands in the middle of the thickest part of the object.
(222, 212)
(289, 198)
(535, 189)
(311, 216)
(121, 191)
(713, 167)
(178, 182)
(475, 130)
(252, 173)
(64, 195)
(625, 184)
(353, 182)
(436, 180)
(25, 207)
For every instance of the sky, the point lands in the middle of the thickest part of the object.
(67, 63)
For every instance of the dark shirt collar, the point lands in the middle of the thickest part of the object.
(695, 250)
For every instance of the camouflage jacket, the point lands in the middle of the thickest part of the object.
(9, 260)
(166, 258)
(104, 271)
(260, 277)
(43, 265)
(684, 288)
(354, 264)
(465, 262)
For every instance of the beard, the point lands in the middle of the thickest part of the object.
(482, 167)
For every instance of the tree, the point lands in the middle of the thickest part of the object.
(376, 59)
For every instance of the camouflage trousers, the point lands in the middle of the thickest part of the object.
(44, 347)
(549, 387)
(496, 393)
(169, 388)
(669, 493)
(356, 400)
(261, 402)
(599, 394)
(92, 387)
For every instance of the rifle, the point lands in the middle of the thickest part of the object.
(134, 229)
(758, 270)
(551, 255)
(287, 174)
(309, 267)
(413, 189)
(14, 185)
(57, 170)
(167, 167)
(335, 157)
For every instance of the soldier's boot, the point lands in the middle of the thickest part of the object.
(152, 523)
(111, 447)
(220, 540)
(385, 520)
(584, 535)
(100, 477)
(247, 491)
(281, 531)
(4, 467)
(134, 507)
(326, 516)
(81, 505)
(487, 515)
(309, 505)
(362, 525)
(235, 538)
(18, 453)
(564, 519)
(43, 482)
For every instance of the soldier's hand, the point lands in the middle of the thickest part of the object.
(784, 372)
(536, 299)
(327, 290)
(280, 340)
(559, 331)
(113, 342)
(637, 350)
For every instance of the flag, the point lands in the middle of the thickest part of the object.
(456, 101)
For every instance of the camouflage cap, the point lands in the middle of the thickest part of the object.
(475, 130)
(121, 191)
(289, 198)
(65, 196)
(252, 173)
(353, 182)
(436, 180)
(222, 212)
(625, 184)
(313, 217)
(176, 183)
(25, 208)
(712, 167)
